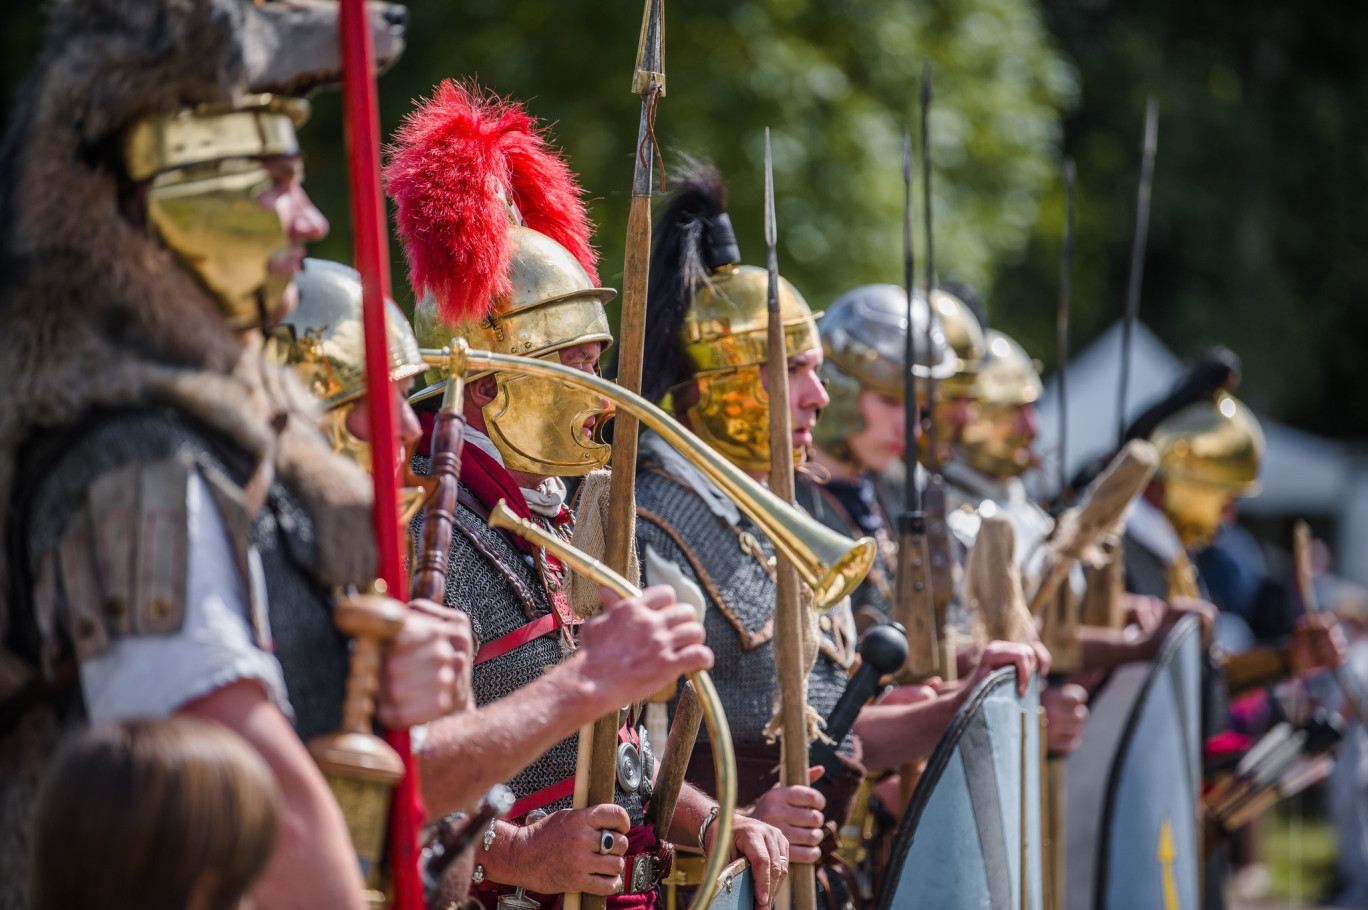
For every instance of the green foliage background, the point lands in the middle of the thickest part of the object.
(1257, 239)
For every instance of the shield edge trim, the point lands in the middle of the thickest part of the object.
(1167, 651)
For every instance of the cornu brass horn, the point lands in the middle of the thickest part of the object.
(830, 563)
(719, 734)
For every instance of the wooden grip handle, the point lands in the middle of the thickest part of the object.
(429, 576)
(678, 749)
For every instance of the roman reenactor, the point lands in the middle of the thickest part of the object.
(497, 240)
(175, 522)
(706, 362)
(861, 433)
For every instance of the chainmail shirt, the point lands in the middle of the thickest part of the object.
(496, 585)
(740, 596)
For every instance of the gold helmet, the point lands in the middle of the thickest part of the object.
(206, 178)
(707, 323)
(506, 265)
(1209, 455)
(966, 339)
(323, 340)
(998, 440)
(955, 405)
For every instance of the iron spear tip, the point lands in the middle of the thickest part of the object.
(650, 60)
(1070, 173)
(1151, 124)
(926, 82)
(907, 155)
(771, 231)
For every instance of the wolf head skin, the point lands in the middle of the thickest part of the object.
(94, 313)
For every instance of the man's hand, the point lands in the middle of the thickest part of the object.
(911, 693)
(1066, 712)
(639, 645)
(560, 853)
(1317, 643)
(766, 848)
(426, 672)
(1005, 654)
(797, 813)
(1143, 611)
(1188, 606)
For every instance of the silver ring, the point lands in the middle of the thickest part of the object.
(607, 841)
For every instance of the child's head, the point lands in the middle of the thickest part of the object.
(178, 814)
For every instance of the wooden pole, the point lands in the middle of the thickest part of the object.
(649, 82)
(788, 618)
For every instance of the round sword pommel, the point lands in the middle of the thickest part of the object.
(884, 647)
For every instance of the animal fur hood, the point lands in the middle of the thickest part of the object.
(94, 314)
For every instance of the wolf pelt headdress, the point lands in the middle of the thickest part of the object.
(94, 313)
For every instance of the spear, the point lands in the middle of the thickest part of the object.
(1062, 326)
(648, 81)
(788, 619)
(1137, 259)
(372, 260)
(933, 497)
(912, 597)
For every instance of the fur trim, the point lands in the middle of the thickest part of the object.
(94, 314)
(450, 162)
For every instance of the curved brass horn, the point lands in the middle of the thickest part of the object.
(719, 734)
(832, 564)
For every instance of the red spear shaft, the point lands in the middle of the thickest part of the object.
(372, 261)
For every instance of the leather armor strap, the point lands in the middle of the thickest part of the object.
(517, 638)
(539, 799)
(749, 640)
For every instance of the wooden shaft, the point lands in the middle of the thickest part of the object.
(580, 798)
(913, 608)
(1105, 588)
(631, 340)
(675, 761)
(1054, 833)
(1024, 860)
(429, 577)
(788, 618)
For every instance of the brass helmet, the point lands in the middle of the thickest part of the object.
(863, 338)
(998, 440)
(205, 178)
(1209, 455)
(966, 339)
(507, 266)
(955, 396)
(323, 340)
(707, 323)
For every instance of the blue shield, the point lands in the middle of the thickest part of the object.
(971, 835)
(1133, 787)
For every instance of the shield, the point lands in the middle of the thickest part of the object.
(1133, 786)
(971, 835)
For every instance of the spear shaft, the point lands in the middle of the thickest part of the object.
(1137, 259)
(942, 581)
(912, 597)
(788, 619)
(1062, 326)
(598, 761)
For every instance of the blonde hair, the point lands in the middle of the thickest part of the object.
(148, 813)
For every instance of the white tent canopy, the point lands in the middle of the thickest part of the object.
(1302, 474)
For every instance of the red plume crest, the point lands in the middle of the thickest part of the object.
(449, 160)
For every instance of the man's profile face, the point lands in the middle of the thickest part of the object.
(301, 220)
